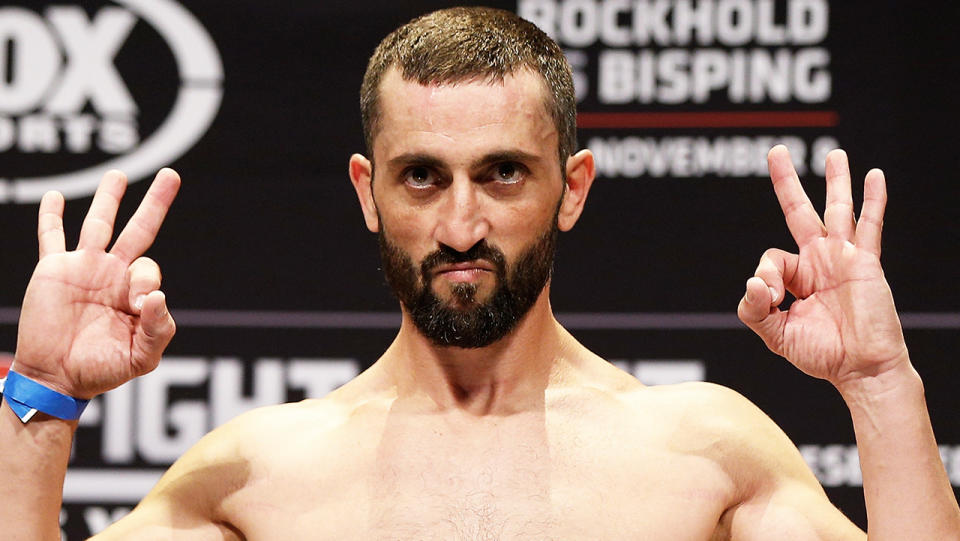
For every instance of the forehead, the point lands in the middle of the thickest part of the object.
(466, 117)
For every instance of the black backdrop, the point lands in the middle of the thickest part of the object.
(275, 283)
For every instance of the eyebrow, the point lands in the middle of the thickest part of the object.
(487, 159)
(504, 156)
(415, 158)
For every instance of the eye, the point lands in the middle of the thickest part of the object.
(420, 176)
(508, 173)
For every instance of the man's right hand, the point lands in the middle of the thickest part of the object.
(93, 319)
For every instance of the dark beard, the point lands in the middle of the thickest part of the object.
(463, 321)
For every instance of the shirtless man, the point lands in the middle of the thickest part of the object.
(485, 419)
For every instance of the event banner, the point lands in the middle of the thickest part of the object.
(275, 283)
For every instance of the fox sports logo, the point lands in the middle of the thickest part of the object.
(61, 93)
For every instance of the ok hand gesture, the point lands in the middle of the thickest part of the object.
(843, 325)
(93, 319)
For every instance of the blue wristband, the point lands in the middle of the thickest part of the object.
(26, 397)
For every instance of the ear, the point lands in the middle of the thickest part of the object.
(580, 174)
(361, 175)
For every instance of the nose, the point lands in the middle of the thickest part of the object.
(461, 222)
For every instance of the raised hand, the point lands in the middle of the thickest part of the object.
(93, 319)
(843, 325)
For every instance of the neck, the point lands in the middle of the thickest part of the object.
(505, 377)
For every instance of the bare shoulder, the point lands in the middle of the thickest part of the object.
(723, 425)
(701, 407)
(696, 419)
(203, 490)
(310, 432)
(310, 424)
(260, 431)
(774, 490)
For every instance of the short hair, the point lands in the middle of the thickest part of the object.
(467, 44)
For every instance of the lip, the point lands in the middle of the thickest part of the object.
(465, 272)
(465, 266)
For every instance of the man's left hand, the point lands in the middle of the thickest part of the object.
(843, 325)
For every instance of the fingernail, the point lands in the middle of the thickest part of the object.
(773, 295)
(138, 303)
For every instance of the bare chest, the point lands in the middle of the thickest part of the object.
(594, 499)
(494, 485)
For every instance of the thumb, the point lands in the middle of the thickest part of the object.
(154, 331)
(759, 312)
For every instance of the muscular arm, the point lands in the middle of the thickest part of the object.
(775, 494)
(184, 505)
(780, 496)
(908, 495)
(31, 474)
(906, 488)
(187, 502)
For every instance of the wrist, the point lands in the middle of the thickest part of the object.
(27, 397)
(899, 378)
(56, 380)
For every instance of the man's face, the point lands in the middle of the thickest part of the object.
(467, 189)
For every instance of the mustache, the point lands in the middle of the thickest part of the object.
(446, 255)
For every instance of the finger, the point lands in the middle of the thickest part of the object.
(756, 312)
(144, 278)
(50, 224)
(802, 219)
(153, 334)
(777, 269)
(142, 228)
(838, 214)
(97, 229)
(870, 225)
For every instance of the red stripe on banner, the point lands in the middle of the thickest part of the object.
(6, 360)
(715, 119)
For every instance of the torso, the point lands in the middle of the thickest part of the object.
(591, 464)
